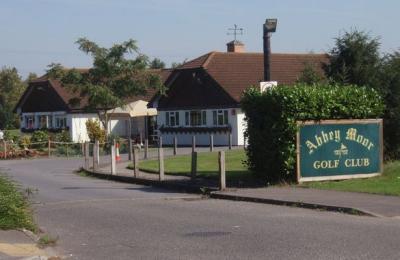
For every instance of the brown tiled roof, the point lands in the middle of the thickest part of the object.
(237, 71)
(66, 95)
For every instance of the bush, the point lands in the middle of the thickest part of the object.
(271, 121)
(25, 141)
(63, 136)
(11, 135)
(95, 132)
(39, 137)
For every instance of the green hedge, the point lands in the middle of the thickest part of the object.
(271, 121)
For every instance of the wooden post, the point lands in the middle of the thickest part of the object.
(97, 144)
(49, 147)
(95, 154)
(135, 162)
(230, 140)
(160, 142)
(113, 162)
(211, 142)
(194, 166)
(221, 164)
(5, 149)
(161, 163)
(146, 148)
(87, 150)
(175, 144)
(130, 152)
(193, 143)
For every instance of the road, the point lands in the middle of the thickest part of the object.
(99, 219)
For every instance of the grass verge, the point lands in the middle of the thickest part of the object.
(386, 184)
(207, 165)
(14, 208)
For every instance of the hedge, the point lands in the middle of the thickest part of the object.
(272, 115)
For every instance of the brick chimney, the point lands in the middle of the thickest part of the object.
(235, 46)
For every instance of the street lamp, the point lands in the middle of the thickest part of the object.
(269, 27)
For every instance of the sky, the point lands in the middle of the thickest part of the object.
(36, 33)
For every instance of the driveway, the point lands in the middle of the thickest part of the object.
(98, 219)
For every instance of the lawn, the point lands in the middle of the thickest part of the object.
(387, 184)
(14, 208)
(207, 165)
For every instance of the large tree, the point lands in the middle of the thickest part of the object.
(354, 59)
(118, 72)
(11, 89)
(390, 83)
(156, 63)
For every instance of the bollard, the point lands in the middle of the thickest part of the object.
(230, 141)
(130, 152)
(175, 145)
(211, 142)
(194, 166)
(135, 162)
(146, 148)
(161, 163)
(113, 162)
(86, 149)
(193, 143)
(221, 164)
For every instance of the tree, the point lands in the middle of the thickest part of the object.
(354, 59)
(390, 82)
(310, 75)
(175, 65)
(118, 73)
(11, 89)
(157, 64)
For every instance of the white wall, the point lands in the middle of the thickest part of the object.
(235, 120)
(77, 126)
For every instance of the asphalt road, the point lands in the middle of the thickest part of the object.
(98, 219)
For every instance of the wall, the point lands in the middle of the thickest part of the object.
(77, 123)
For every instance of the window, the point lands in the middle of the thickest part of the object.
(172, 118)
(29, 122)
(220, 117)
(43, 121)
(61, 122)
(196, 118)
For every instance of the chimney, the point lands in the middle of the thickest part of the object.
(235, 46)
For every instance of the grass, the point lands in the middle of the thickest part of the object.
(47, 240)
(14, 208)
(386, 184)
(207, 165)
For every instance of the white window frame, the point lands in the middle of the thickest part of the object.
(60, 122)
(189, 118)
(172, 118)
(221, 117)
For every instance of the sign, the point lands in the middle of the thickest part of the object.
(339, 149)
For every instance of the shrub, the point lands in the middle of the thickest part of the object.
(271, 121)
(25, 141)
(95, 132)
(39, 137)
(11, 135)
(63, 136)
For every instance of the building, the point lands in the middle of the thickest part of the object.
(203, 96)
(46, 104)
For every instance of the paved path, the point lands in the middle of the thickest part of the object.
(377, 205)
(99, 219)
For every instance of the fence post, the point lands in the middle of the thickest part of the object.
(95, 154)
(230, 140)
(97, 144)
(87, 150)
(194, 166)
(113, 163)
(5, 149)
(161, 160)
(193, 143)
(175, 144)
(146, 148)
(130, 152)
(221, 164)
(49, 147)
(211, 142)
(135, 162)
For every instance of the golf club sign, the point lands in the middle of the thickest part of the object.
(339, 149)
